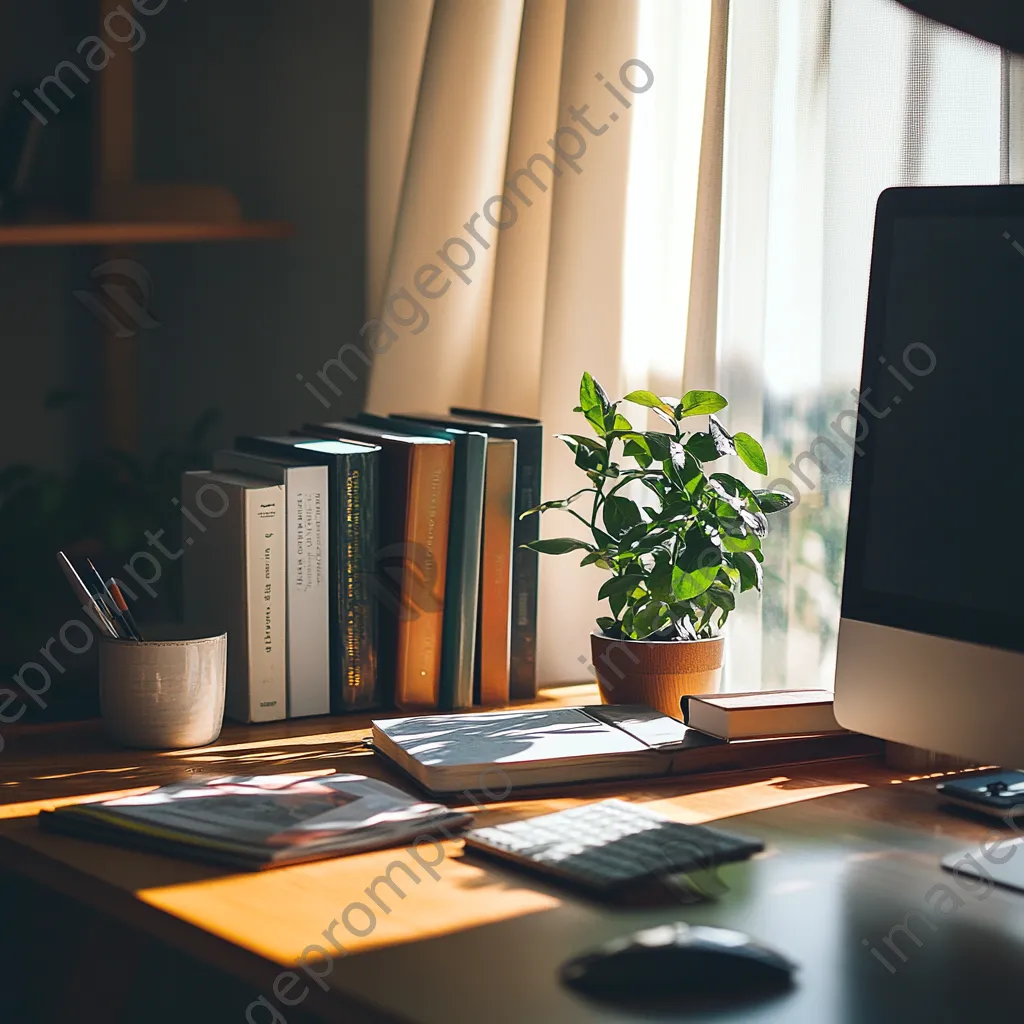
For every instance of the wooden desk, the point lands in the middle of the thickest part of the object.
(101, 933)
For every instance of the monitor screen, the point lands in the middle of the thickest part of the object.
(936, 542)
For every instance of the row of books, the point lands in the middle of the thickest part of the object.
(370, 563)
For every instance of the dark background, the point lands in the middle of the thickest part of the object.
(264, 98)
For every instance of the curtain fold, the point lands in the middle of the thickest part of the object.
(429, 352)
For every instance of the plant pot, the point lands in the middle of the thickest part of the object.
(656, 672)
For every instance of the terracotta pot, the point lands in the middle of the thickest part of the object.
(656, 672)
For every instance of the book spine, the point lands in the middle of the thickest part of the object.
(463, 585)
(493, 643)
(356, 538)
(264, 595)
(308, 602)
(525, 567)
(424, 572)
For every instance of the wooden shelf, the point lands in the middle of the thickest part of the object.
(142, 232)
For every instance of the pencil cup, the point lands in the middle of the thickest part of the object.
(163, 694)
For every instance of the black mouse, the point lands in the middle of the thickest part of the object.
(680, 959)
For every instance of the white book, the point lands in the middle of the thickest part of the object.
(235, 583)
(308, 596)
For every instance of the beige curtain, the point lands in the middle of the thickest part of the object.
(510, 240)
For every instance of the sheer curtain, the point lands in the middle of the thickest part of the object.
(828, 103)
(716, 232)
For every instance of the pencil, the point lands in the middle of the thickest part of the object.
(124, 610)
(82, 594)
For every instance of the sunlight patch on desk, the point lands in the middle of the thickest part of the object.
(88, 771)
(340, 742)
(30, 808)
(729, 801)
(277, 914)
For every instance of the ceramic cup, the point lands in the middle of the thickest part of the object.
(163, 694)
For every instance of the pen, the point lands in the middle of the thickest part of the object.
(90, 604)
(124, 610)
(103, 595)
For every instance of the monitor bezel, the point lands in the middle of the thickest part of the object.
(955, 622)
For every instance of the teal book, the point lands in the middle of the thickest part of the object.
(462, 577)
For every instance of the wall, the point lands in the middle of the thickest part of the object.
(265, 98)
(270, 100)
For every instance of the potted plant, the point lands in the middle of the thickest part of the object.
(677, 560)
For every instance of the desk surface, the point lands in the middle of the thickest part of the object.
(853, 848)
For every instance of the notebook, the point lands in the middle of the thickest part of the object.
(451, 753)
(260, 821)
(486, 754)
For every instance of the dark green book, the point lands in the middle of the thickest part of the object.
(528, 435)
(351, 555)
(462, 578)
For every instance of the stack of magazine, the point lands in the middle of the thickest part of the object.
(256, 822)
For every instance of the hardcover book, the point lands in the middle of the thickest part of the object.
(462, 585)
(491, 681)
(352, 544)
(234, 582)
(529, 437)
(738, 716)
(415, 502)
(308, 604)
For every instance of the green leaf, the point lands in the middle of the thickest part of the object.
(688, 585)
(772, 501)
(748, 542)
(682, 469)
(699, 403)
(598, 558)
(620, 585)
(667, 417)
(652, 617)
(703, 448)
(638, 450)
(722, 596)
(734, 501)
(749, 568)
(649, 400)
(602, 397)
(659, 582)
(620, 514)
(721, 438)
(659, 444)
(756, 522)
(751, 453)
(581, 439)
(608, 626)
(633, 534)
(558, 545)
(593, 403)
(621, 423)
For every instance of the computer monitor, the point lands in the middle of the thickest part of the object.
(931, 642)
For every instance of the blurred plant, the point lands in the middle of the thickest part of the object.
(100, 509)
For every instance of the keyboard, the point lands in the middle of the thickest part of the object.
(613, 848)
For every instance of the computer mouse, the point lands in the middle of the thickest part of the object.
(680, 960)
